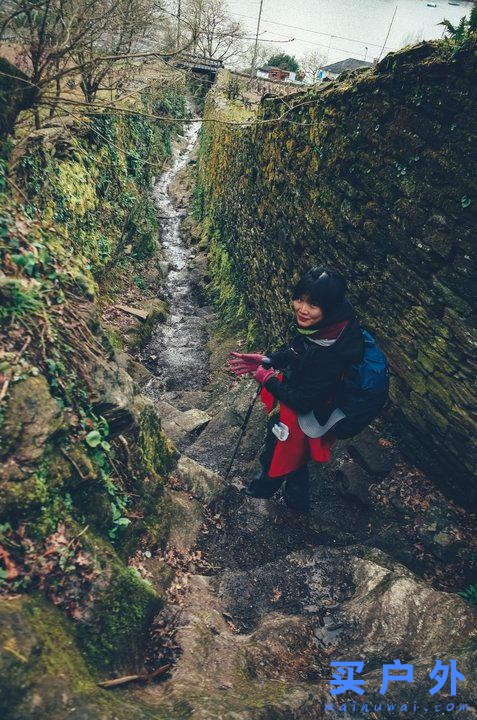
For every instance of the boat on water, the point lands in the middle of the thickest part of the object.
(451, 3)
(431, 4)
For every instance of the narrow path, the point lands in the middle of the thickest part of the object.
(260, 606)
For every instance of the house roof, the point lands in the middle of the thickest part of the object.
(348, 64)
(265, 68)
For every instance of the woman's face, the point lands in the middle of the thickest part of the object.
(306, 313)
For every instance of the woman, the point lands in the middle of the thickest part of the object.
(326, 341)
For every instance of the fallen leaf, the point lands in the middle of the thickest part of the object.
(10, 566)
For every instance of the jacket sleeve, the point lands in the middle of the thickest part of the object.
(308, 393)
(313, 381)
(283, 358)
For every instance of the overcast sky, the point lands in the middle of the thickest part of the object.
(345, 28)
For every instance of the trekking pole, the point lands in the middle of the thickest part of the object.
(244, 425)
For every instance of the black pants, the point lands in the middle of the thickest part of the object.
(296, 490)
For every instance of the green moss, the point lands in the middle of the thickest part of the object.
(88, 198)
(157, 314)
(122, 619)
(115, 338)
(35, 641)
(155, 448)
(44, 677)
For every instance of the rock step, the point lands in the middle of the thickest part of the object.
(203, 483)
(182, 427)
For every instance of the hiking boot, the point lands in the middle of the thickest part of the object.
(296, 491)
(263, 487)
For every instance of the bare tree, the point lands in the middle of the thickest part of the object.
(214, 33)
(134, 26)
(311, 63)
(48, 33)
(247, 55)
(93, 40)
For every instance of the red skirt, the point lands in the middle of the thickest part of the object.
(298, 448)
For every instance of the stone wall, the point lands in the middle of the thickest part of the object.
(373, 173)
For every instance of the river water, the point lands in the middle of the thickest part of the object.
(176, 351)
(345, 28)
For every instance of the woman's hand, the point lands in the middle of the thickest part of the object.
(243, 363)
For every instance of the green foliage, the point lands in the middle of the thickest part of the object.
(233, 87)
(18, 300)
(32, 168)
(459, 35)
(3, 172)
(100, 452)
(470, 594)
(284, 61)
(123, 617)
(139, 282)
(198, 201)
(88, 200)
(172, 102)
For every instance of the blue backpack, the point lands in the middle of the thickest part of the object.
(364, 390)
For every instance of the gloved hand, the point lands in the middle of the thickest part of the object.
(243, 363)
(262, 374)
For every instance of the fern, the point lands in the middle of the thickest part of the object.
(458, 35)
(470, 594)
(473, 18)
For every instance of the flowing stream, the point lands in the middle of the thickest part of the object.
(176, 351)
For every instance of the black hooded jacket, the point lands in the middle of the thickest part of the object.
(311, 371)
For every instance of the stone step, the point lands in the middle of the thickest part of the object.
(197, 479)
(181, 426)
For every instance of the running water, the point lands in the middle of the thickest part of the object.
(176, 349)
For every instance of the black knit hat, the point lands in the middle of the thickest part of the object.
(324, 287)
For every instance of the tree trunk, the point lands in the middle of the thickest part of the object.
(58, 90)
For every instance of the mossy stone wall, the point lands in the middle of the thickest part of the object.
(373, 174)
(83, 458)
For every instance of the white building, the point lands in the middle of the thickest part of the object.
(332, 71)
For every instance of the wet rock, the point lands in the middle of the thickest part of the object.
(249, 595)
(352, 479)
(391, 608)
(136, 370)
(376, 459)
(186, 519)
(197, 479)
(214, 446)
(227, 676)
(113, 393)
(157, 311)
(192, 398)
(139, 372)
(282, 646)
(31, 417)
(164, 267)
(181, 426)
